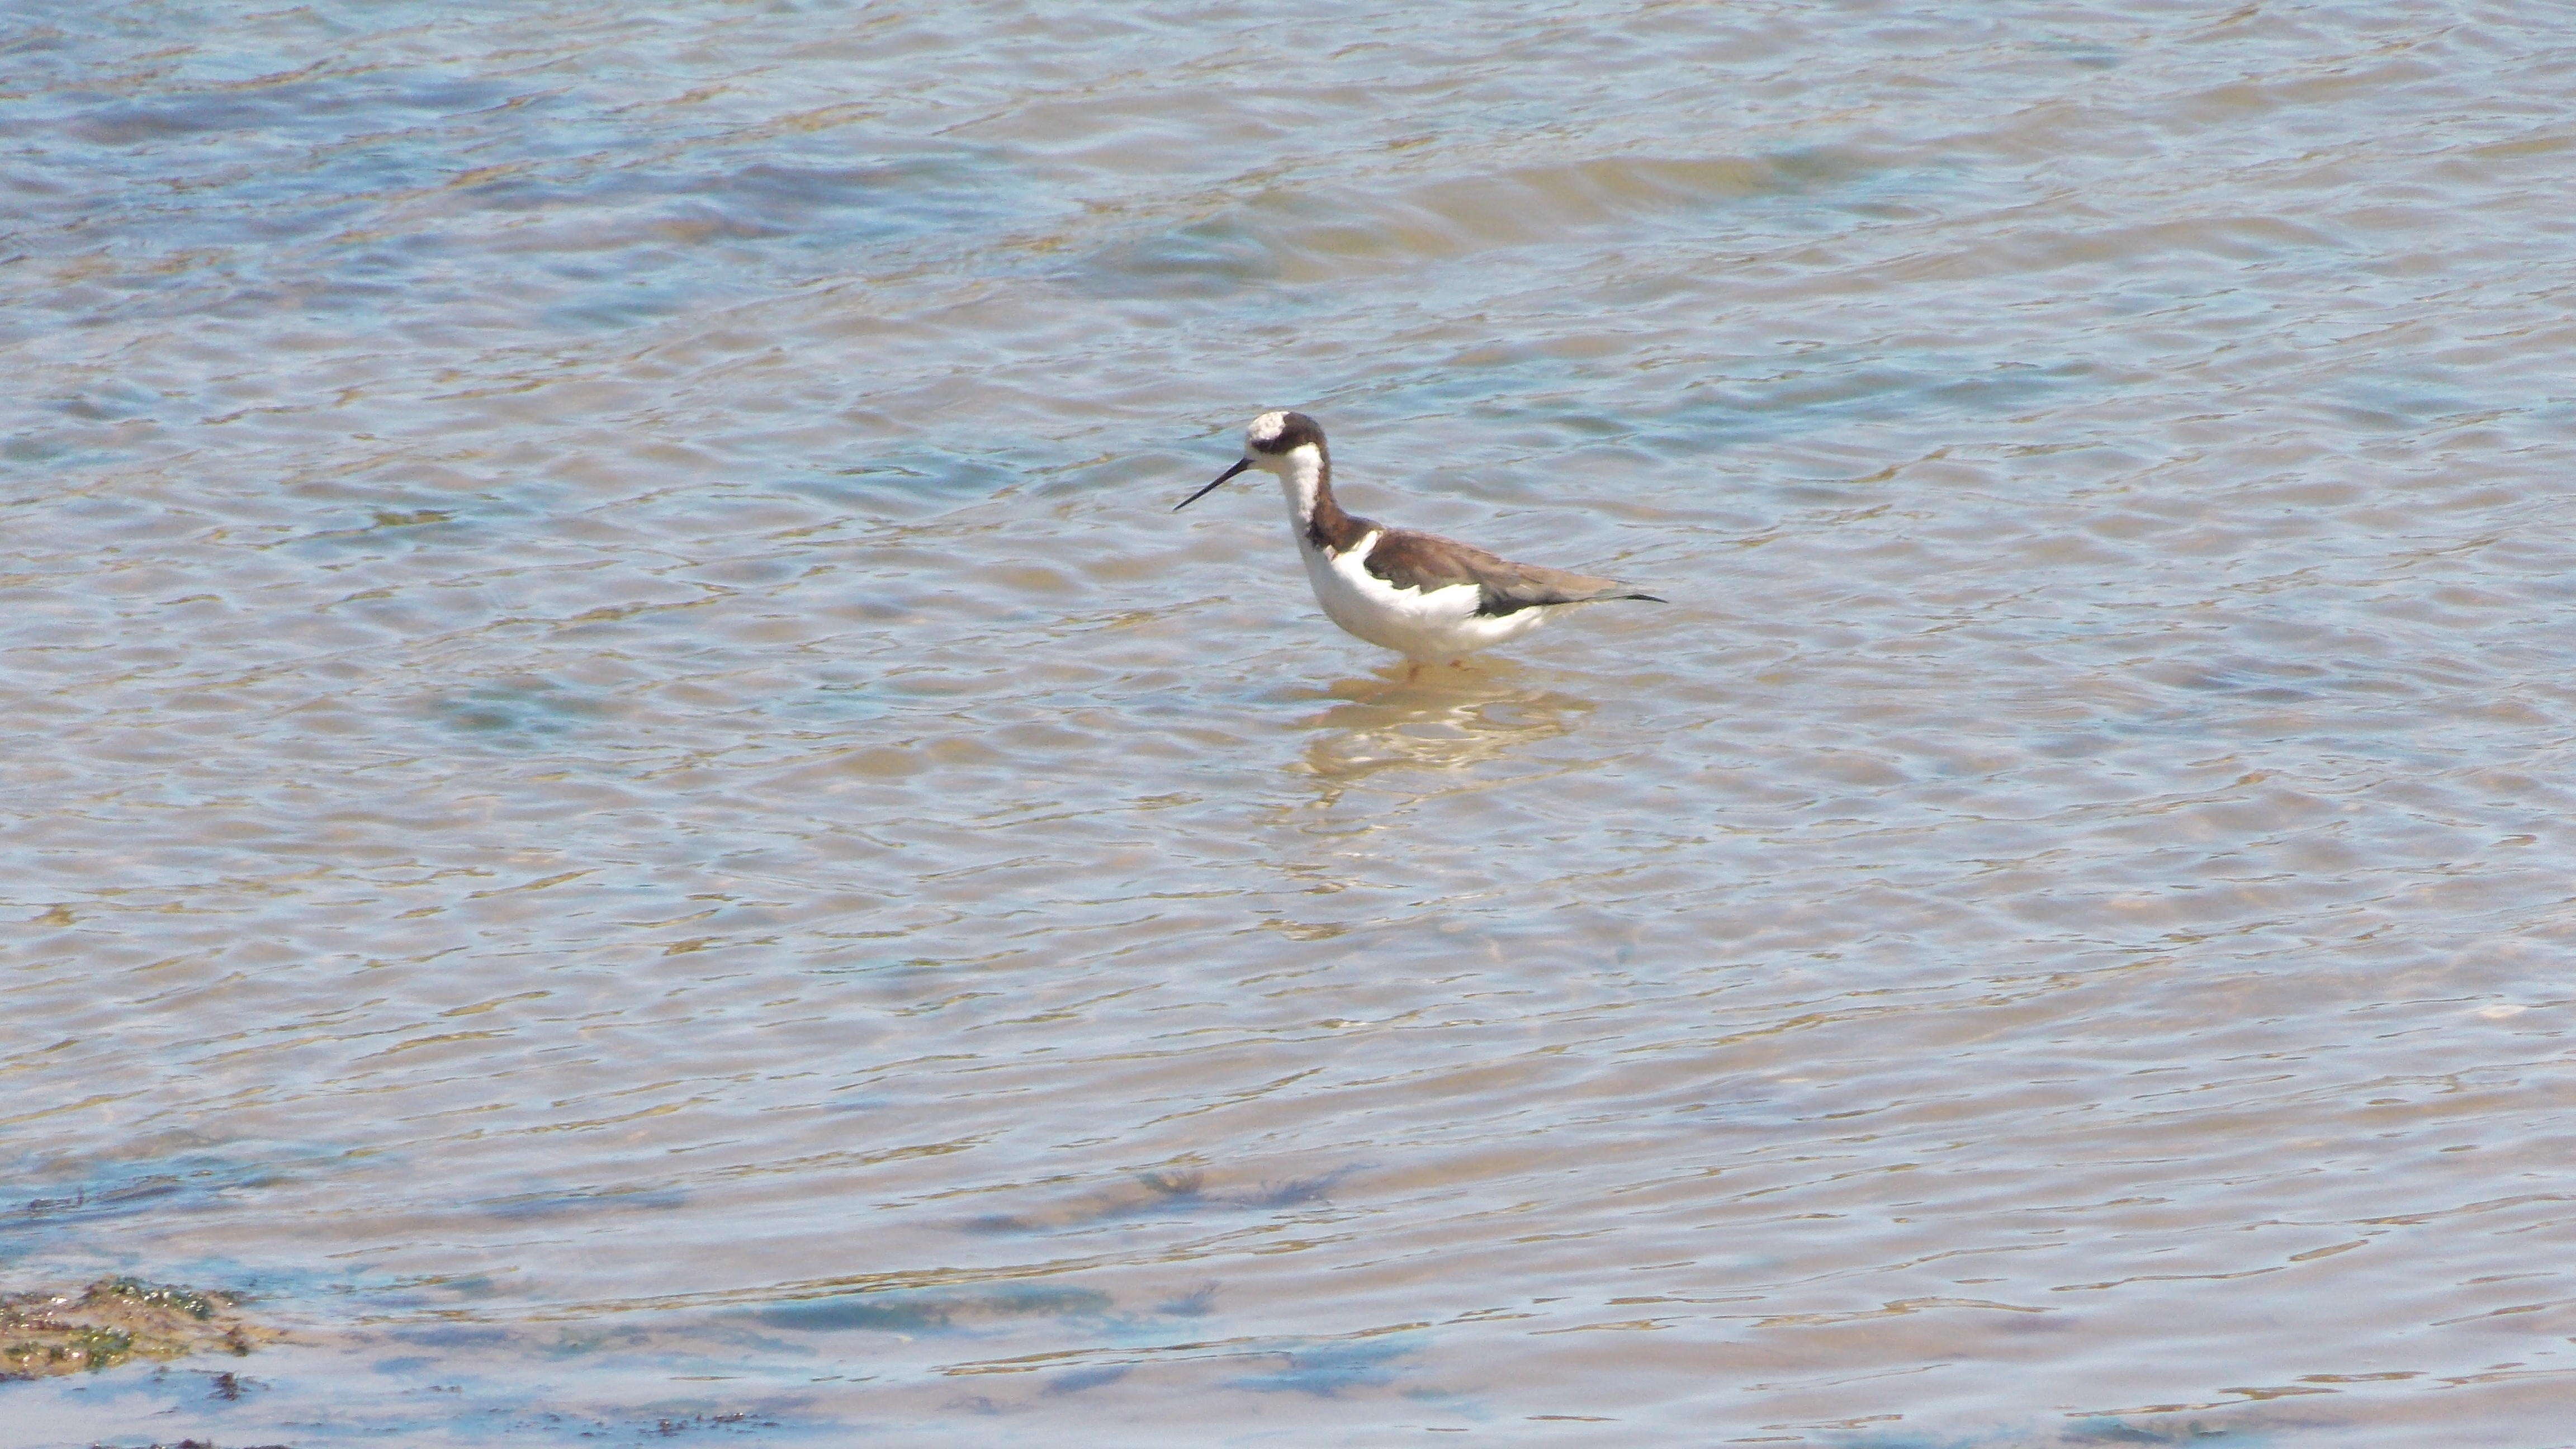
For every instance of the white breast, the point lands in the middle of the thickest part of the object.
(1426, 624)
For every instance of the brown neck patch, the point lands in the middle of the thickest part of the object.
(1331, 529)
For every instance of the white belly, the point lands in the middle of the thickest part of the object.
(1421, 624)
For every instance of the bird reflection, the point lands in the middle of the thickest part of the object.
(1445, 720)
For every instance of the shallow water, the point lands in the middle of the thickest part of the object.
(626, 799)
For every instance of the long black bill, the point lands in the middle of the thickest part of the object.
(1239, 465)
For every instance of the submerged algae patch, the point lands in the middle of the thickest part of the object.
(934, 1311)
(115, 1319)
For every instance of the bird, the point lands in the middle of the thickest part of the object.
(1426, 597)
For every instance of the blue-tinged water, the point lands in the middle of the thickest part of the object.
(624, 799)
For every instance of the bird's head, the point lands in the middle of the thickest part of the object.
(1272, 443)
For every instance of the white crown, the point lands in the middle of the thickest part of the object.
(1266, 427)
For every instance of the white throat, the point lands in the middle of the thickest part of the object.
(1301, 476)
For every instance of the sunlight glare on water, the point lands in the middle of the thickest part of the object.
(627, 803)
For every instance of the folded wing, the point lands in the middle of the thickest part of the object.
(1426, 561)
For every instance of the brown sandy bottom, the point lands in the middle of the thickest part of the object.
(628, 804)
(904, 1368)
(115, 1320)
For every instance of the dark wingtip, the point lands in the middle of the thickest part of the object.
(1649, 598)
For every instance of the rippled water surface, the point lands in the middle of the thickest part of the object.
(624, 797)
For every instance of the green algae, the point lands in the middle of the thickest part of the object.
(116, 1319)
(144, 1295)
